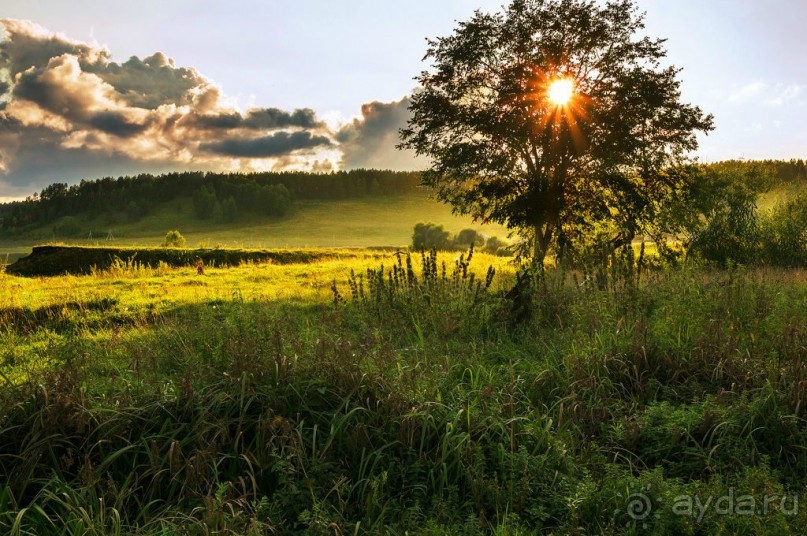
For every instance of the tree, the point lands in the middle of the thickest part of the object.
(430, 236)
(466, 237)
(206, 203)
(728, 231)
(229, 210)
(506, 145)
(784, 234)
(173, 239)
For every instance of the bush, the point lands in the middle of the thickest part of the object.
(173, 239)
(430, 236)
(136, 210)
(729, 232)
(784, 234)
(495, 246)
(467, 237)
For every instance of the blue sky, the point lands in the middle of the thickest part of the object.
(742, 61)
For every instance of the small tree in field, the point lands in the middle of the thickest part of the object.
(554, 118)
(466, 237)
(173, 239)
(430, 236)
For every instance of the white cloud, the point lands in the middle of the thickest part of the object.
(781, 94)
(765, 93)
(747, 92)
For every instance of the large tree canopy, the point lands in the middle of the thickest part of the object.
(503, 148)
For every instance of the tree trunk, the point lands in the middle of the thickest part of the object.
(539, 247)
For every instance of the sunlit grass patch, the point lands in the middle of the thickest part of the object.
(244, 397)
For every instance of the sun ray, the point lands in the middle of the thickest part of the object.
(561, 91)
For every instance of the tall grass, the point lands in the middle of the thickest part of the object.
(406, 401)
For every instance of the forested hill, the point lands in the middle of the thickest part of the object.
(224, 197)
(219, 196)
(763, 175)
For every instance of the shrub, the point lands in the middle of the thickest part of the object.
(136, 209)
(492, 245)
(430, 236)
(495, 246)
(784, 234)
(729, 233)
(439, 300)
(173, 239)
(468, 237)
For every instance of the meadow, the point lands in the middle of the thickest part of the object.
(334, 398)
(384, 220)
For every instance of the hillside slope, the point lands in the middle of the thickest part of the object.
(361, 222)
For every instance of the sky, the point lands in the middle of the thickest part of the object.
(101, 88)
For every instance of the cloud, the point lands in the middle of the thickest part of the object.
(277, 144)
(782, 93)
(27, 44)
(369, 141)
(262, 118)
(747, 92)
(68, 112)
(115, 123)
(62, 88)
(44, 161)
(152, 81)
(765, 93)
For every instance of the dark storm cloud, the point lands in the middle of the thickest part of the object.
(4, 87)
(278, 144)
(262, 119)
(267, 118)
(150, 82)
(369, 142)
(116, 124)
(224, 121)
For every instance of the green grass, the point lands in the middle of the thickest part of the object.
(360, 222)
(299, 398)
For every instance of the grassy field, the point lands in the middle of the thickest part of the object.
(361, 222)
(279, 399)
(126, 293)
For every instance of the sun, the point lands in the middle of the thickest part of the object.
(561, 91)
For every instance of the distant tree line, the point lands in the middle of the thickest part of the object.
(217, 196)
(762, 175)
